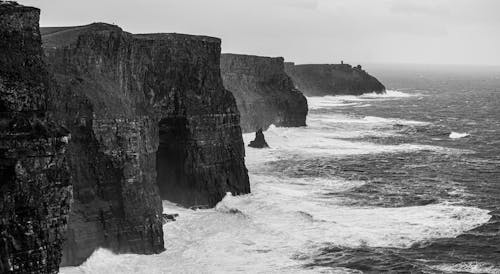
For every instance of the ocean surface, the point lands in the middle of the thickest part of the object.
(406, 182)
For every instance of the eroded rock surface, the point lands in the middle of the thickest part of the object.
(337, 79)
(264, 93)
(35, 191)
(148, 115)
(259, 141)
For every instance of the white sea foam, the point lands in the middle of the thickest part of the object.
(324, 138)
(469, 267)
(263, 232)
(457, 135)
(388, 94)
(351, 100)
(285, 217)
(329, 102)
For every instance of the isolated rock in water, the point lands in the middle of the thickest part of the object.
(259, 141)
(337, 79)
(264, 93)
(150, 120)
(35, 191)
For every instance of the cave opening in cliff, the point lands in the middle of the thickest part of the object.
(171, 161)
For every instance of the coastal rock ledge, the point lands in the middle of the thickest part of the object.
(336, 79)
(91, 143)
(35, 190)
(264, 93)
(148, 115)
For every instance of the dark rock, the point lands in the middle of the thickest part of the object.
(35, 191)
(169, 217)
(259, 141)
(148, 115)
(264, 94)
(340, 79)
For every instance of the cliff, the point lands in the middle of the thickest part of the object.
(35, 191)
(149, 118)
(264, 93)
(340, 79)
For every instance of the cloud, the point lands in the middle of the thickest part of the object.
(303, 4)
(418, 8)
(305, 31)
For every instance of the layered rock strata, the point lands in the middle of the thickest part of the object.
(35, 191)
(264, 93)
(338, 79)
(149, 117)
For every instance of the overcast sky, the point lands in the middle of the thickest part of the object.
(310, 31)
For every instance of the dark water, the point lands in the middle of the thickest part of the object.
(450, 99)
(373, 184)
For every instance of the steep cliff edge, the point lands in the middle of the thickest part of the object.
(35, 191)
(149, 115)
(339, 79)
(264, 94)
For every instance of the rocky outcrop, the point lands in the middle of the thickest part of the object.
(264, 94)
(35, 191)
(259, 141)
(149, 116)
(339, 79)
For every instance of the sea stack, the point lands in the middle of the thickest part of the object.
(337, 79)
(260, 141)
(264, 93)
(150, 120)
(35, 191)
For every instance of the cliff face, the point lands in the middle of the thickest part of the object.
(35, 191)
(149, 116)
(264, 93)
(341, 79)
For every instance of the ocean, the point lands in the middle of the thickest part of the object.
(405, 182)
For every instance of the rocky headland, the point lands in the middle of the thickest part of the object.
(35, 186)
(264, 93)
(97, 128)
(149, 115)
(336, 79)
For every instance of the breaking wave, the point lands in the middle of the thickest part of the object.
(355, 101)
(285, 216)
(469, 267)
(456, 135)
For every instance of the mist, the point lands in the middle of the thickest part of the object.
(310, 31)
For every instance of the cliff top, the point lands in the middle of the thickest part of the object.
(9, 6)
(54, 37)
(254, 57)
(258, 66)
(333, 79)
(332, 68)
(167, 36)
(78, 29)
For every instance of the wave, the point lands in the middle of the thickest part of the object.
(393, 121)
(329, 102)
(316, 141)
(224, 207)
(336, 101)
(469, 267)
(283, 217)
(457, 135)
(388, 94)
